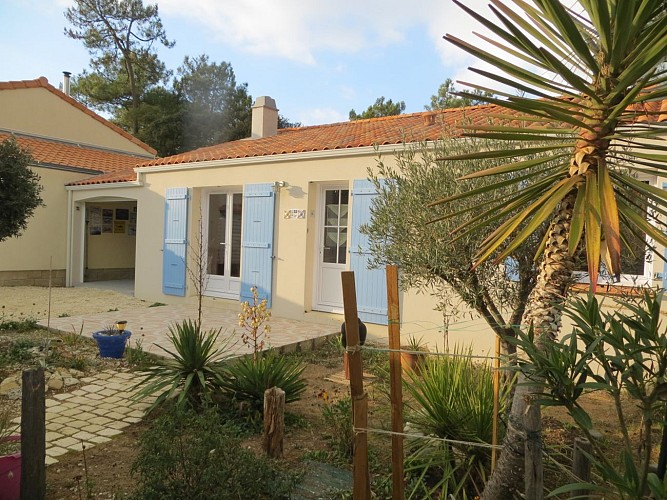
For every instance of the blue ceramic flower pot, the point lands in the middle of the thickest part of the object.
(111, 346)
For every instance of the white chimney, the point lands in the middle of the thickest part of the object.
(66, 75)
(264, 118)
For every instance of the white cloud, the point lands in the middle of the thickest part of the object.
(316, 116)
(298, 30)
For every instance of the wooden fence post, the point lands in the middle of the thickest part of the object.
(360, 473)
(274, 422)
(496, 403)
(396, 384)
(581, 465)
(33, 435)
(534, 479)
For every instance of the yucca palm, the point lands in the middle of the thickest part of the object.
(593, 91)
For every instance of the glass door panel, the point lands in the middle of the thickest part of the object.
(217, 225)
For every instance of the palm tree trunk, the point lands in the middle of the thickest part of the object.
(543, 313)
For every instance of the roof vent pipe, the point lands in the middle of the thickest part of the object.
(264, 118)
(66, 76)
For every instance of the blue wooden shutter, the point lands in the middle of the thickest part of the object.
(257, 252)
(175, 241)
(371, 284)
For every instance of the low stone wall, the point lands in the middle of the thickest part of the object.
(32, 278)
(109, 274)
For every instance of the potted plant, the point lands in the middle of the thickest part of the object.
(413, 355)
(10, 458)
(112, 339)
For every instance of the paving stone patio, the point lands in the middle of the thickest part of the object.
(92, 414)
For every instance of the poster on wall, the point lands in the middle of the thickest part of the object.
(95, 222)
(107, 220)
(122, 214)
(132, 226)
(119, 227)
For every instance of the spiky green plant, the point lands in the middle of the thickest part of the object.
(192, 374)
(453, 398)
(247, 378)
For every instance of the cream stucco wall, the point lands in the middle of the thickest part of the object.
(40, 112)
(295, 239)
(46, 235)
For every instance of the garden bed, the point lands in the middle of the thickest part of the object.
(310, 435)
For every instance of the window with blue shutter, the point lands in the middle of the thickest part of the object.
(371, 284)
(257, 247)
(175, 241)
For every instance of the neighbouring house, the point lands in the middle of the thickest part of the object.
(67, 142)
(280, 210)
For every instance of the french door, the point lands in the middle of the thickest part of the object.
(223, 238)
(332, 246)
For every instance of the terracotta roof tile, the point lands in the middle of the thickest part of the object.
(388, 130)
(353, 134)
(66, 155)
(42, 82)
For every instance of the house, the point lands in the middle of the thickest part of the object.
(280, 210)
(67, 142)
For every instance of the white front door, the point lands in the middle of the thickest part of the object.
(225, 214)
(332, 247)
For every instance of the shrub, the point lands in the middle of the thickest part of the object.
(18, 325)
(338, 421)
(246, 378)
(433, 471)
(197, 456)
(193, 373)
(621, 351)
(19, 351)
(453, 399)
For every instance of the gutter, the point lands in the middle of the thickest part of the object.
(105, 185)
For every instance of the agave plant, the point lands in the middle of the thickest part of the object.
(453, 399)
(591, 82)
(192, 374)
(247, 378)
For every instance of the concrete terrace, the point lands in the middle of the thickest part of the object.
(151, 326)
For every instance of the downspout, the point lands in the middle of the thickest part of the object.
(68, 259)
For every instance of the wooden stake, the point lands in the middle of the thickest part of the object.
(361, 476)
(274, 422)
(33, 435)
(496, 403)
(48, 316)
(396, 383)
(532, 422)
(581, 465)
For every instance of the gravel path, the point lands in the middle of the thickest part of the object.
(33, 302)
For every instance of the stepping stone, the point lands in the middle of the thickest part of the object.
(322, 481)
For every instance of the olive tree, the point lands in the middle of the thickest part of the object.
(431, 260)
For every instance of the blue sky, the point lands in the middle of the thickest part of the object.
(317, 58)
